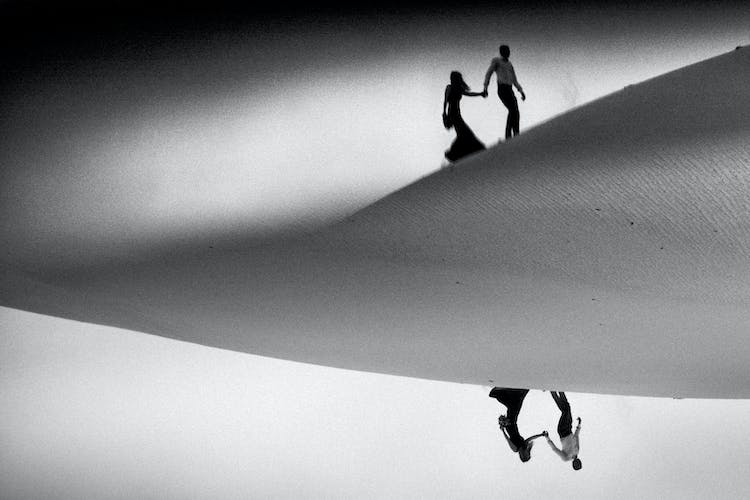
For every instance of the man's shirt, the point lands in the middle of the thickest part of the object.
(569, 445)
(504, 72)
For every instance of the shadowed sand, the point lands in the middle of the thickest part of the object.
(604, 251)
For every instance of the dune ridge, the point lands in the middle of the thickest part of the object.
(605, 251)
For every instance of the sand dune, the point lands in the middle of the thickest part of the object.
(603, 251)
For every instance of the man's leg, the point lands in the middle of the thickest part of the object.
(565, 424)
(509, 125)
(508, 98)
(563, 398)
(514, 118)
(556, 396)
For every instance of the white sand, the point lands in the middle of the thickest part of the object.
(604, 251)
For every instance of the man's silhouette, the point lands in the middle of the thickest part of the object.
(568, 439)
(506, 79)
(513, 399)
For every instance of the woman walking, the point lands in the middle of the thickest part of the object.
(512, 399)
(466, 142)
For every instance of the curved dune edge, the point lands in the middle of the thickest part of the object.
(604, 251)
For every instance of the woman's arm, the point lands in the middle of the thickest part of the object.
(535, 436)
(507, 439)
(445, 99)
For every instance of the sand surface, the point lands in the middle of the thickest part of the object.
(603, 251)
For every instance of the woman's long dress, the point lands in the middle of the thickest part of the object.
(466, 142)
(512, 399)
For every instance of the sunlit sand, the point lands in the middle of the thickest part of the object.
(614, 237)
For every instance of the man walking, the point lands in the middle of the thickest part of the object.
(568, 439)
(506, 79)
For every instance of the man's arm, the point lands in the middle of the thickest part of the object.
(555, 449)
(578, 427)
(518, 85)
(488, 75)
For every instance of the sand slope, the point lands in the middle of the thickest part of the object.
(603, 251)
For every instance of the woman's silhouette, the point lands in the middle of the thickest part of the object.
(466, 142)
(513, 399)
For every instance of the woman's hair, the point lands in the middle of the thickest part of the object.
(457, 80)
(505, 51)
(524, 453)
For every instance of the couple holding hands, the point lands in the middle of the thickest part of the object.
(512, 399)
(466, 142)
